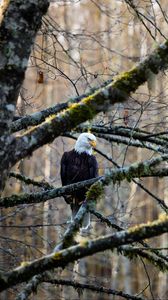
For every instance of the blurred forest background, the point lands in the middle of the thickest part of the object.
(80, 45)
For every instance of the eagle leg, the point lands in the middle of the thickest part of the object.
(86, 220)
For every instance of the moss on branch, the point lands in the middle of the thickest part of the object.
(73, 253)
(116, 91)
(136, 170)
(93, 288)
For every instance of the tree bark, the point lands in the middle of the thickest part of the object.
(90, 247)
(20, 21)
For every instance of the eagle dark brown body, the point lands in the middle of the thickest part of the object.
(77, 167)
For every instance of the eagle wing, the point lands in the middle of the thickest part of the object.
(68, 198)
(93, 167)
(64, 169)
(75, 168)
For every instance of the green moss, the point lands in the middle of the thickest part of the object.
(50, 118)
(118, 177)
(162, 218)
(84, 243)
(57, 256)
(129, 81)
(25, 263)
(95, 191)
(79, 113)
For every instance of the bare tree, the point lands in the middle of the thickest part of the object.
(21, 136)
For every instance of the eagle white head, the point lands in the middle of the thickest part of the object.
(85, 143)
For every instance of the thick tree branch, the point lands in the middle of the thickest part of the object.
(136, 170)
(164, 172)
(116, 91)
(40, 116)
(62, 258)
(19, 24)
(38, 197)
(155, 257)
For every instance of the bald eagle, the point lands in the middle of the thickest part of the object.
(77, 165)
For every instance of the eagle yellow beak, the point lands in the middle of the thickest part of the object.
(93, 143)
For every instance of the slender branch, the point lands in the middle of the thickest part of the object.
(141, 17)
(43, 184)
(127, 141)
(160, 202)
(132, 252)
(105, 219)
(94, 288)
(68, 238)
(129, 132)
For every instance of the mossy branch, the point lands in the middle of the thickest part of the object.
(28, 198)
(132, 252)
(67, 241)
(136, 170)
(40, 116)
(41, 184)
(116, 91)
(62, 258)
(93, 288)
(155, 257)
(128, 140)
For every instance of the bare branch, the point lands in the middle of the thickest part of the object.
(43, 184)
(91, 287)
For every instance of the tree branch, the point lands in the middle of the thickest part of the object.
(68, 240)
(155, 257)
(130, 132)
(62, 258)
(40, 116)
(136, 170)
(116, 91)
(43, 184)
(91, 287)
